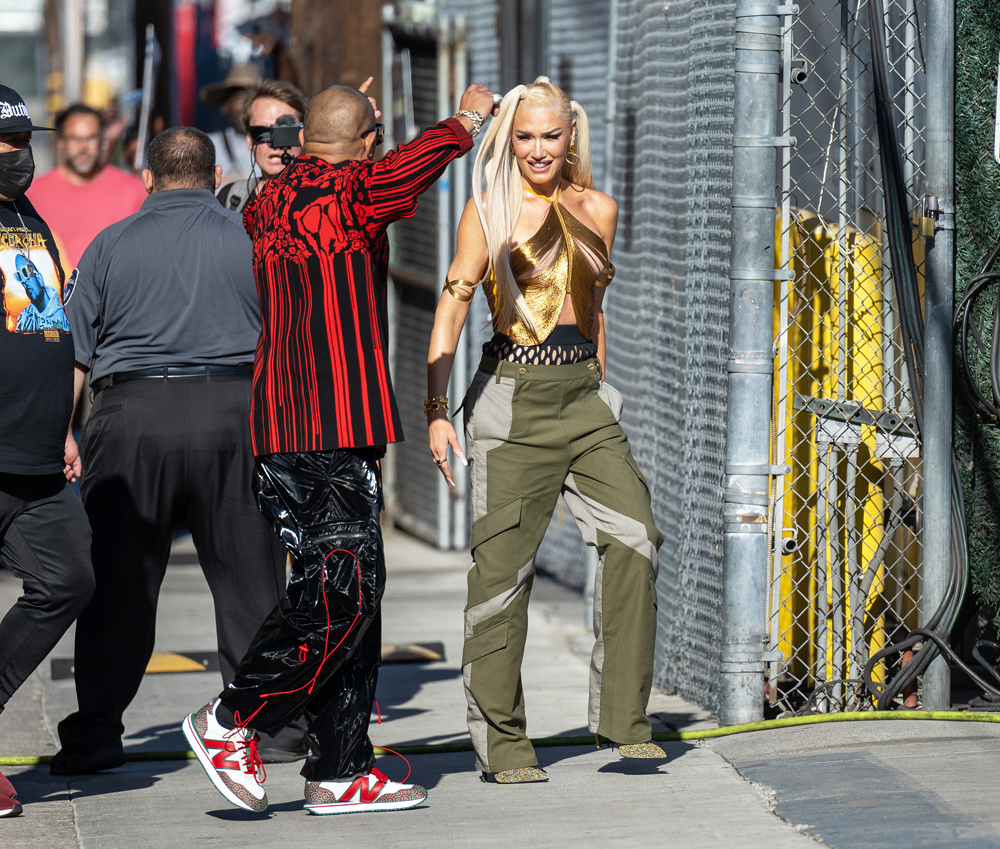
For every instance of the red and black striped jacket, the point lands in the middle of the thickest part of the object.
(321, 261)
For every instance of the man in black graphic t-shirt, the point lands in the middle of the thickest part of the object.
(44, 533)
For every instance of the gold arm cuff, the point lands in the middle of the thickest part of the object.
(438, 402)
(449, 287)
(609, 272)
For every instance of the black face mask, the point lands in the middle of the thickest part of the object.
(17, 170)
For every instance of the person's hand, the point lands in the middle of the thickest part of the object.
(440, 435)
(363, 88)
(478, 98)
(71, 457)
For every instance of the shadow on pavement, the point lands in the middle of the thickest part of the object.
(398, 684)
(428, 770)
(161, 738)
(239, 815)
(36, 785)
(616, 763)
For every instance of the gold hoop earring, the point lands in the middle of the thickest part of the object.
(572, 152)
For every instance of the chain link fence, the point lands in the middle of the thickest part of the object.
(847, 518)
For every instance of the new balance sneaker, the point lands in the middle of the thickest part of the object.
(229, 757)
(370, 791)
(9, 806)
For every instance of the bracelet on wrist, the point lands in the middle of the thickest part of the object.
(475, 117)
(438, 402)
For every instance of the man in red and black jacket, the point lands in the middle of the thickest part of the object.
(322, 413)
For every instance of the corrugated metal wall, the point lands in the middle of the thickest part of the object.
(414, 498)
(672, 179)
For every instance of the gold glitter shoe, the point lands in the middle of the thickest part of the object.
(641, 751)
(524, 775)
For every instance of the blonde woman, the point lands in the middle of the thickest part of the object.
(539, 422)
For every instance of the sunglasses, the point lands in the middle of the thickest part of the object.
(379, 130)
(25, 273)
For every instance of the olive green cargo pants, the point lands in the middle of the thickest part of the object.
(533, 432)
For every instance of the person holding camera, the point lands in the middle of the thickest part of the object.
(272, 112)
(166, 319)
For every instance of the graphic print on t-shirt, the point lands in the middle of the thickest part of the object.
(30, 286)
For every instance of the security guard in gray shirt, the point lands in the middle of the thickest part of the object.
(166, 316)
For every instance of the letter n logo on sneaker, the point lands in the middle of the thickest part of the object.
(365, 795)
(220, 760)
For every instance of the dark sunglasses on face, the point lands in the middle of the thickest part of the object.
(379, 130)
(24, 274)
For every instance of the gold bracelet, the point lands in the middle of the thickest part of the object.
(438, 402)
(449, 287)
(609, 272)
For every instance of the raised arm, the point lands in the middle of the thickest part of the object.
(404, 173)
(470, 262)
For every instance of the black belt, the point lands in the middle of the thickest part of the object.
(204, 372)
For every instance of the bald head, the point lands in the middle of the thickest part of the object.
(337, 117)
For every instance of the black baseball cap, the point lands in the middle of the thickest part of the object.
(14, 116)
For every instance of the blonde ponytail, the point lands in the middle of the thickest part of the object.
(581, 174)
(499, 212)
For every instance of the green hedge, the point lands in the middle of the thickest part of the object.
(977, 176)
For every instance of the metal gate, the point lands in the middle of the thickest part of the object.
(846, 522)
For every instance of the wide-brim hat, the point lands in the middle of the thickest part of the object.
(239, 77)
(14, 117)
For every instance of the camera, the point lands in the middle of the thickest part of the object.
(281, 135)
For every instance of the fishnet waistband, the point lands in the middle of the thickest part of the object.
(564, 345)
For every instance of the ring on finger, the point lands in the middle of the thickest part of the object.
(440, 461)
(497, 98)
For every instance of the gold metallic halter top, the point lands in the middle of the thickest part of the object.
(564, 257)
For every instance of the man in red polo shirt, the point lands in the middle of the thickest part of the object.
(322, 412)
(84, 194)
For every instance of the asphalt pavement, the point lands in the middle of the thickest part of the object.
(926, 784)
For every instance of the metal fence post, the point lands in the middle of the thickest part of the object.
(939, 308)
(750, 366)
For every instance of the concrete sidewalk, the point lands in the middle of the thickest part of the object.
(898, 784)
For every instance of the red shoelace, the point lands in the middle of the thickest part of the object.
(254, 765)
(327, 653)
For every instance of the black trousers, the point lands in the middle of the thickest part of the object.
(319, 650)
(158, 452)
(45, 542)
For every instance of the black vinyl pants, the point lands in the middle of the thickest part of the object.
(45, 542)
(156, 453)
(320, 649)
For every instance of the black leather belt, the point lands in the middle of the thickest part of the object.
(204, 372)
